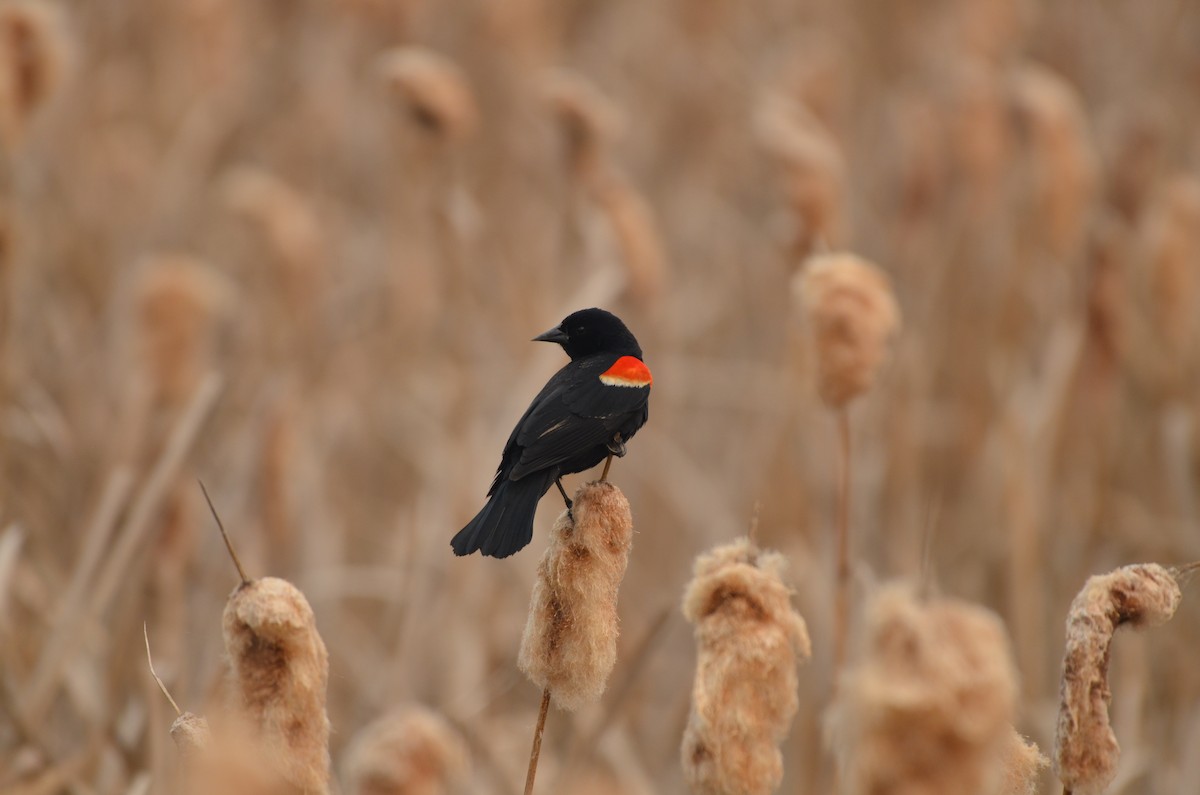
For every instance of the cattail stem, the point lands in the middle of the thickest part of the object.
(842, 597)
(536, 751)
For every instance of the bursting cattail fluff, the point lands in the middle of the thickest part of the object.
(851, 313)
(433, 89)
(570, 640)
(280, 669)
(411, 751)
(1023, 763)
(928, 707)
(750, 642)
(1085, 748)
(33, 54)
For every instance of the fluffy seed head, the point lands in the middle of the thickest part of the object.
(411, 751)
(191, 735)
(33, 49)
(749, 644)
(928, 707)
(1141, 595)
(812, 166)
(570, 640)
(852, 314)
(1023, 763)
(179, 301)
(433, 89)
(280, 668)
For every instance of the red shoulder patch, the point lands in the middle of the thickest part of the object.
(627, 371)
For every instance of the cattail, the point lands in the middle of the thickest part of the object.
(1085, 748)
(636, 235)
(1023, 763)
(33, 54)
(191, 735)
(179, 300)
(813, 169)
(280, 669)
(750, 642)
(928, 707)
(589, 120)
(289, 226)
(1169, 250)
(852, 314)
(570, 641)
(432, 89)
(1063, 167)
(412, 751)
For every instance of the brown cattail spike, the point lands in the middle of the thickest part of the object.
(32, 59)
(432, 89)
(570, 641)
(280, 669)
(412, 750)
(750, 642)
(1142, 595)
(929, 705)
(852, 314)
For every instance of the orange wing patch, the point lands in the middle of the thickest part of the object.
(627, 371)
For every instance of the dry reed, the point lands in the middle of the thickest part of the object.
(590, 122)
(750, 643)
(411, 751)
(1085, 747)
(928, 706)
(280, 670)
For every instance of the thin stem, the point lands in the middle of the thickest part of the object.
(842, 596)
(228, 544)
(536, 751)
(150, 661)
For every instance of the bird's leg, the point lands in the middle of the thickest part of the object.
(566, 499)
(607, 464)
(616, 446)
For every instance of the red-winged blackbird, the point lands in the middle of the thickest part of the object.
(585, 413)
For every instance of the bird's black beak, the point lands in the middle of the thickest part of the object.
(555, 334)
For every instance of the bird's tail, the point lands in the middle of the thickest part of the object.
(505, 524)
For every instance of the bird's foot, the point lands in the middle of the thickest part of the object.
(617, 446)
(570, 504)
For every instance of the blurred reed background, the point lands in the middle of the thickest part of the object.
(257, 244)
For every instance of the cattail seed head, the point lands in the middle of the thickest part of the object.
(852, 314)
(750, 642)
(412, 751)
(813, 169)
(280, 669)
(179, 299)
(589, 120)
(1142, 595)
(570, 640)
(191, 735)
(1023, 763)
(433, 89)
(33, 54)
(928, 707)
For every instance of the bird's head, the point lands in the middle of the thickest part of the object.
(591, 331)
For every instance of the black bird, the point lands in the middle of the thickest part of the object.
(586, 413)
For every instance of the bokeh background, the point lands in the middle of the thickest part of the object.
(254, 244)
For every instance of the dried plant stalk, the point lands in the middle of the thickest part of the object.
(589, 120)
(852, 314)
(411, 751)
(280, 670)
(928, 707)
(750, 642)
(433, 90)
(570, 640)
(1085, 748)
